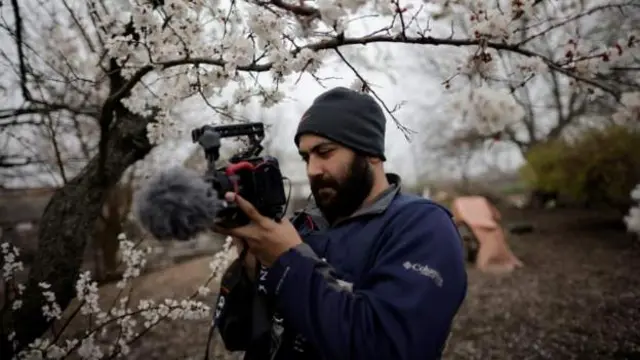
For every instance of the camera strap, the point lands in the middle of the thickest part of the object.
(232, 277)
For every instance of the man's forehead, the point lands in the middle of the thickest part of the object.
(310, 142)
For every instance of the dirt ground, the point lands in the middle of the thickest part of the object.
(578, 297)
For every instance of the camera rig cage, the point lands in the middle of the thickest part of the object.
(256, 178)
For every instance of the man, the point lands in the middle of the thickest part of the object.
(367, 272)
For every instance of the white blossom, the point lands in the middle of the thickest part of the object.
(130, 321)
(270, 97)
(629, 110)
(87, 293)
(487, 109)
(492, 24)
(134, 260)
(89, 349)
(307, 60)
(331, 11)
(10, 263)
(223, 258)
(203, 290)
(50, 309)
(481, 63)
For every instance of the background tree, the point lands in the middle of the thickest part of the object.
(590, 38)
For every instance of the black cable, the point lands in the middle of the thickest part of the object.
(212, 328)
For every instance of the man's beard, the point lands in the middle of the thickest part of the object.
(344, 197)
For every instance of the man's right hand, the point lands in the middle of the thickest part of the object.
(249, 262)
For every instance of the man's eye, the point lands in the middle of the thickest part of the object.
(324, 152)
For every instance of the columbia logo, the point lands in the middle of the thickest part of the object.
(425, 271)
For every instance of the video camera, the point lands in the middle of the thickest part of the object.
(257, 179)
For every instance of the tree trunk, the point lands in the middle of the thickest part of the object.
(68, 221)
(109, 245)
(116, 209)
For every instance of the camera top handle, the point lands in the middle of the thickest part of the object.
(209, 136)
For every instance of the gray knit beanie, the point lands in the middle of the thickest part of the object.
(348, 117)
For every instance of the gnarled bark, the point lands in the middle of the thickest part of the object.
(69, 220)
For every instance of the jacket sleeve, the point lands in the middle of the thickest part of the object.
(404, 307)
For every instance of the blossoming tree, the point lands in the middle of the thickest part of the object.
(545, 105)
(590, 36)
(127, 65)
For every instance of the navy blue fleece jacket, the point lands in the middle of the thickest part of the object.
(385, 284)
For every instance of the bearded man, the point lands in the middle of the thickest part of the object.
(364, 272)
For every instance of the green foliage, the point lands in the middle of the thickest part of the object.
(514, 188)
(600, 167)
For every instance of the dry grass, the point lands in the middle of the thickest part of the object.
(578, 297)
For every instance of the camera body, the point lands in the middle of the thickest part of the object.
(257, 179)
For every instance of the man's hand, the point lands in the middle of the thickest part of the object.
(267, 239)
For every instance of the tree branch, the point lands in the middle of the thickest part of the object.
(21, 57)
(43, 108)
(586, 13)
(336, 42)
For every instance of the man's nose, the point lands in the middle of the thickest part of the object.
(314, 167)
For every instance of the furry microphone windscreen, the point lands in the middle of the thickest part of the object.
(176, 204)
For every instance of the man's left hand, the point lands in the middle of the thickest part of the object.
(266, 238)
